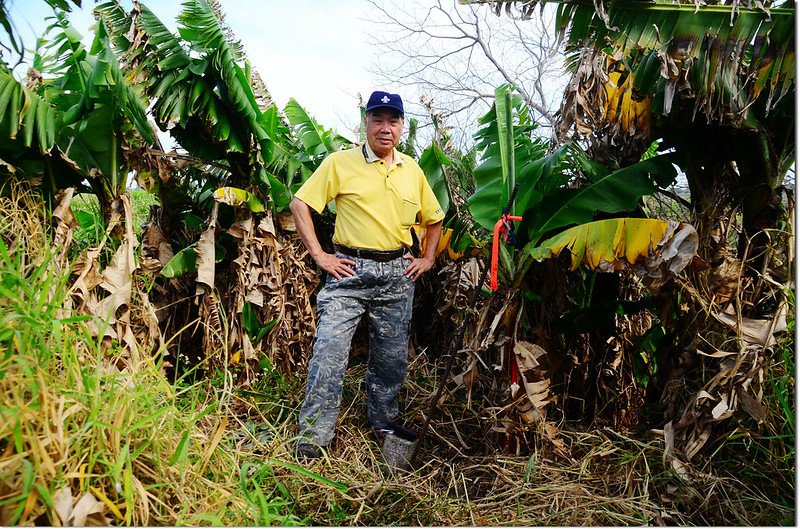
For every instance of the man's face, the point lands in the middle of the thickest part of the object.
(384, 128)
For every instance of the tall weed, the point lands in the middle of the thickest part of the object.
(83, 439)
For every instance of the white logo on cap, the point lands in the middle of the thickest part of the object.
(384, 99)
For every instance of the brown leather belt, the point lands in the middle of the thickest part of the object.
(381, 256)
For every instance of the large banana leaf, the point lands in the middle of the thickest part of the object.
(505, 136)
(650, 246)
(530, 156)
(613, 193)
(432, 161)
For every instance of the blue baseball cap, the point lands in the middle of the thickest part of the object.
(380, 99)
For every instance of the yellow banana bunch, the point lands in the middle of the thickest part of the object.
(444, 243)
(614, 90)
(621, 107)
(627, 111)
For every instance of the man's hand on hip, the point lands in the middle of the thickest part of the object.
(338, 267)
(418, 266)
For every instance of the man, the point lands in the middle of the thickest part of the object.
(379, 194)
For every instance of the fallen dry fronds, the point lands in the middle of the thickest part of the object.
(603, 478)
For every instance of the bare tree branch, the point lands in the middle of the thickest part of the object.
(456, 55)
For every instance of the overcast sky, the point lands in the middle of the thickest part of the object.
(312, 50)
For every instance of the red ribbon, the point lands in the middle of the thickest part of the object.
(505, 226)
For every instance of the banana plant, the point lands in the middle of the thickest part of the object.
(104, 118)
(715, 82)
(200, 90)
(77, 125)
(246, 158)
(544, 200)
(558, 191)
(433, 163)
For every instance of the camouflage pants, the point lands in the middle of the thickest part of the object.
(382, 292)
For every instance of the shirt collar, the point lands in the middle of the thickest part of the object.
(370, 156)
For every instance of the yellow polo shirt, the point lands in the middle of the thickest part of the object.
(376, 205)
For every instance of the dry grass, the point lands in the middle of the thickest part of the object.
(607, 478)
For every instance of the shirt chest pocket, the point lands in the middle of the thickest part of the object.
(408, 211)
